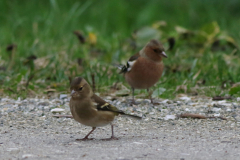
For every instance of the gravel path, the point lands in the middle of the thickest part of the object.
(28, 131)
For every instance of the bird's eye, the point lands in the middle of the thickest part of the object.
(155, 50)
(80, 88)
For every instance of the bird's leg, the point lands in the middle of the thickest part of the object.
(150, 96)
(86, 137)
(133, 94)
(133, 101)
(112, 137)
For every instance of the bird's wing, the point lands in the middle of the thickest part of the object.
(102, 105)
(130, 63)
(134, 57)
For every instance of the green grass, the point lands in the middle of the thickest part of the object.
(45, 29)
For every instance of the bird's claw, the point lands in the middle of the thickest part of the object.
(85, 139)
(112, 138)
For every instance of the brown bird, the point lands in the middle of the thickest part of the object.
(89, 109)
(145, 68)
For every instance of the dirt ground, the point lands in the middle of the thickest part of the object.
(175, 139)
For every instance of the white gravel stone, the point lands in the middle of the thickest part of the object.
(165, 101)
(63, 96)
(238, 99)
(13, 150)
(25, 156)
(214, 109)
(229, 110)
(185, 98)
(167, 117)
(57, 110)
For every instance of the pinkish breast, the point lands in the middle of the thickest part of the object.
(144, 74)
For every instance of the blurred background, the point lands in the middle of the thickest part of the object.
(44, 44)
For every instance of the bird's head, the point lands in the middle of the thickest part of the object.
(154, 50)
(80, 88)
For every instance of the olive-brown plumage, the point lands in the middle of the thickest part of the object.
(89, 109)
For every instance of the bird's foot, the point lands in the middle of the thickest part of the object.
(85, 139)
(112, 138)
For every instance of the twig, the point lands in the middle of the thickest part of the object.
(222, 118)
(80, 36)
(218, 98)
(171, 42)
(29, 79)
(197, 116)
(80, 61)
(11, 48)
(191, 115)
(70, 79)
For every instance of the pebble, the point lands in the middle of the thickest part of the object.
(229, 110)
(13, 150)
(238, 99)
(165, 101)
(167, 117)
(37, 112)
(63, 96)
(57, 110)
(185, 98)
(187, 109)
(25, 156)
(214, 109)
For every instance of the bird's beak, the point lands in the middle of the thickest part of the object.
(164, 54)
(72, 92)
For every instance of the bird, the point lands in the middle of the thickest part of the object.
(144, 68)
(89, 109)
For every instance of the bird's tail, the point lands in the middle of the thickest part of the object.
(122, 67)
(133, 116)
(129, 115)
(119, 66)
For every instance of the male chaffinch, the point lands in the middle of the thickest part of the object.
(145, 68)
(89, 109)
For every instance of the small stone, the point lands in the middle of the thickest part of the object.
(13, 150)
(193, 104)
(146, 101)
(46, 108)
(27, 156)
(63, 96)
(185, 98)
(43, 103)
(217, 115)
(167, 117)
(238, 99)
(188, 110)
(57, 110)
(229, 110)
(165, 101)
(214, 109)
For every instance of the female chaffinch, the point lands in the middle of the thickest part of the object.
(89, 109)
(145, 68)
